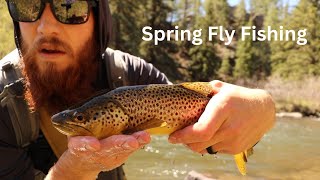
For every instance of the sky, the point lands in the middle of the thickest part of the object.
(291, 2)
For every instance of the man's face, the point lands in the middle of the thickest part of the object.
(60, 61)
(53, 43)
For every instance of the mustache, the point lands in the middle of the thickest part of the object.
(52, 42)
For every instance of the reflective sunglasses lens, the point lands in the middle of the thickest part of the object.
(71, 11)
(24, 10)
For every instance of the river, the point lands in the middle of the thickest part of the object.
(291, 150)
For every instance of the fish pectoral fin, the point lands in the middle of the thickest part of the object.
(153, 123)
(161, 130)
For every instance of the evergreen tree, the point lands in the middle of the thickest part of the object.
(205, 62)
(127, 14)
(244, 67)
(260, 7)
(240, 16)
(6, 31)
(226, 69)
(217, 12)
(295, 61)
(159, 55)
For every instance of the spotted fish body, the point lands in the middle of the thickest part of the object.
(158, 108)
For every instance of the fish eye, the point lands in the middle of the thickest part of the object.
(79, 116)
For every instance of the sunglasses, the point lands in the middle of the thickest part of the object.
(65, 11)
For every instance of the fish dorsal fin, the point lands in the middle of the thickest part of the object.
(203, 88)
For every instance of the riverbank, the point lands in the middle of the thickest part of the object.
(299, 96)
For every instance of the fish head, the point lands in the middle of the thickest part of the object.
(100, 117)
(72, 123)
(88, 119)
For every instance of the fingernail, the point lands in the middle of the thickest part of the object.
(141, 140)
(90, 148)
(173, 140)
(87, 145)
(142, 137)
(130, 145)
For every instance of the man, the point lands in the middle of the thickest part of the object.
(63, 60)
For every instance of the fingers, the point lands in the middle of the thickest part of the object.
(108, 153)
(209, 122)
(125, 143)
(201, 146)
(80, 144)
(142, 137)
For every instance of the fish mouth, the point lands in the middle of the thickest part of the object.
(72, 129)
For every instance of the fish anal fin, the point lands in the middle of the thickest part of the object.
(241, 160)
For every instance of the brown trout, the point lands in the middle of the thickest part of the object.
(157, 108)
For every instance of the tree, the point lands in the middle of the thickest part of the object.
(295, 61)
(127, 16)
(159, 55)
(260, 7)
(204, 63)
(217, 12)
(244, 67)
(6, 31)
(240, 16)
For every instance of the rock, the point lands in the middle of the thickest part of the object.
(290, 114)
(193, 175)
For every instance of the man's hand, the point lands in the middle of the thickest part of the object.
(86, 157)
(234, 120)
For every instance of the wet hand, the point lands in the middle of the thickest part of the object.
(234, 120)
(87, 156)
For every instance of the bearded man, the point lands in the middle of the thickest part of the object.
(63, 57)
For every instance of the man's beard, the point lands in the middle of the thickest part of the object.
(57, 90)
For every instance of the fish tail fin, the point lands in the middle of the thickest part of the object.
(241, 159)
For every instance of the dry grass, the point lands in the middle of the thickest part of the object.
(303, 96)
(292, 96)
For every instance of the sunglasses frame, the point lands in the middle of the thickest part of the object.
(91, 3)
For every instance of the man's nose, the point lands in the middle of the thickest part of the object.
(48, 25)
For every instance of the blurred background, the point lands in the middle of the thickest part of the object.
(290, 72)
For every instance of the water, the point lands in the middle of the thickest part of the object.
(291, 150)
